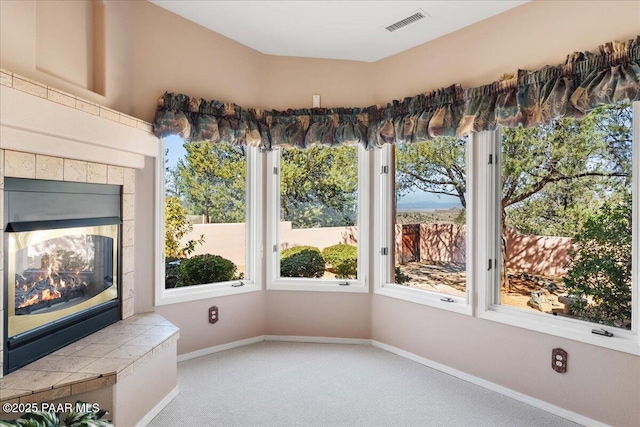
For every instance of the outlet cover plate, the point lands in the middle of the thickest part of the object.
(559, 360)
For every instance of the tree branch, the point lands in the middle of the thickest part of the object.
(549, 179)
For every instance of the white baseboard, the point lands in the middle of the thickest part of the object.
(217, 348)
(540, 404)
(159, 407)
(319, 340)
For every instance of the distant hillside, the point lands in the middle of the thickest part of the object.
(425, 206)
(441, 216)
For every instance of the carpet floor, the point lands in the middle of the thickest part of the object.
(301, 384)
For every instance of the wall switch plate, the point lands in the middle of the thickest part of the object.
(316, 101)
(559, 360)
(213, 314)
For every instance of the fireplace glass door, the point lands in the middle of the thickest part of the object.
(55, 273)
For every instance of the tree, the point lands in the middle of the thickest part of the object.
(211, 181)
(553, 175)
(176, 227)
(599, 274)
(318, 186)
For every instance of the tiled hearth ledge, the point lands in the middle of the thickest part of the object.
(99, 360)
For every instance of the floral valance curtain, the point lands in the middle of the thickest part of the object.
(584, 82)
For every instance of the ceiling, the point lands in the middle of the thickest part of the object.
(353, 30)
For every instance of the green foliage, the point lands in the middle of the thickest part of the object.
(207, 268)
(318, 186)
(401, 277)
(176, 227)
(600, 266)
(343, 260)
(556, 175)
(437, 166)
(76, 418)
(171, 266)
(461, 218)
(211, 181)
(301, 261)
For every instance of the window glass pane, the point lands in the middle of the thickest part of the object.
(566, 217)
(319, 212)
(430, 219)
(204, 212)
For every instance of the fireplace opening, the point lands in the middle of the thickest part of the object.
(61, 265)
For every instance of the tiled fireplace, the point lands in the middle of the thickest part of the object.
(60, 265)
(62, 261)
(64, 144)
(68, 252)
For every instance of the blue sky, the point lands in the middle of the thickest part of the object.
(176, 150)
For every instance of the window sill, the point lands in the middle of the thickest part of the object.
(576, 330)
(317, 285)
(200, 292)
(431, 299)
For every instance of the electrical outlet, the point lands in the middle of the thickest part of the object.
(213, 314)
(559, 360)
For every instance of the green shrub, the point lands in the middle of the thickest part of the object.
(600, 266)
(171, 266)
(401, 278)
(301, 261)
(343, 260)
(206, 268)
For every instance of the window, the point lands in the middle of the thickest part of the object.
(423, 198)
(564, 242)
(209, 217)
(315, 236)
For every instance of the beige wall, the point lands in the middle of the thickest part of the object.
(148, 50)
(19, 53)
(527, 37)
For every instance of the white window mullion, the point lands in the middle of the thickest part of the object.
(384, 237)
(274, 282)
(252, 280)
(489, 212)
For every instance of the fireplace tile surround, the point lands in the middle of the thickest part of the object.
(52, 135)
(28, 165)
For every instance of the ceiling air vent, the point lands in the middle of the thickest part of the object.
(420, 14)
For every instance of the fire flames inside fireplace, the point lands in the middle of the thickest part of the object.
(58, 272)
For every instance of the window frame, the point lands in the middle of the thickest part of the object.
(489, 280)
(274, 281)
(253, 234)
(384, 184)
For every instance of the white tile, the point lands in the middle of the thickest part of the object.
(128, 259)
(75, 170)
(96, 173)
(1, 168)
(6, 79)
(128, 285)
(115, 175)
(48, 167)
(128, 206)
(61, 98)
(88, 107)
(19, 165)
(128, 120)
(148, 127)
(127, 308)
(129, 181)
(108, 113)
(128, 230)
(29, 86)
